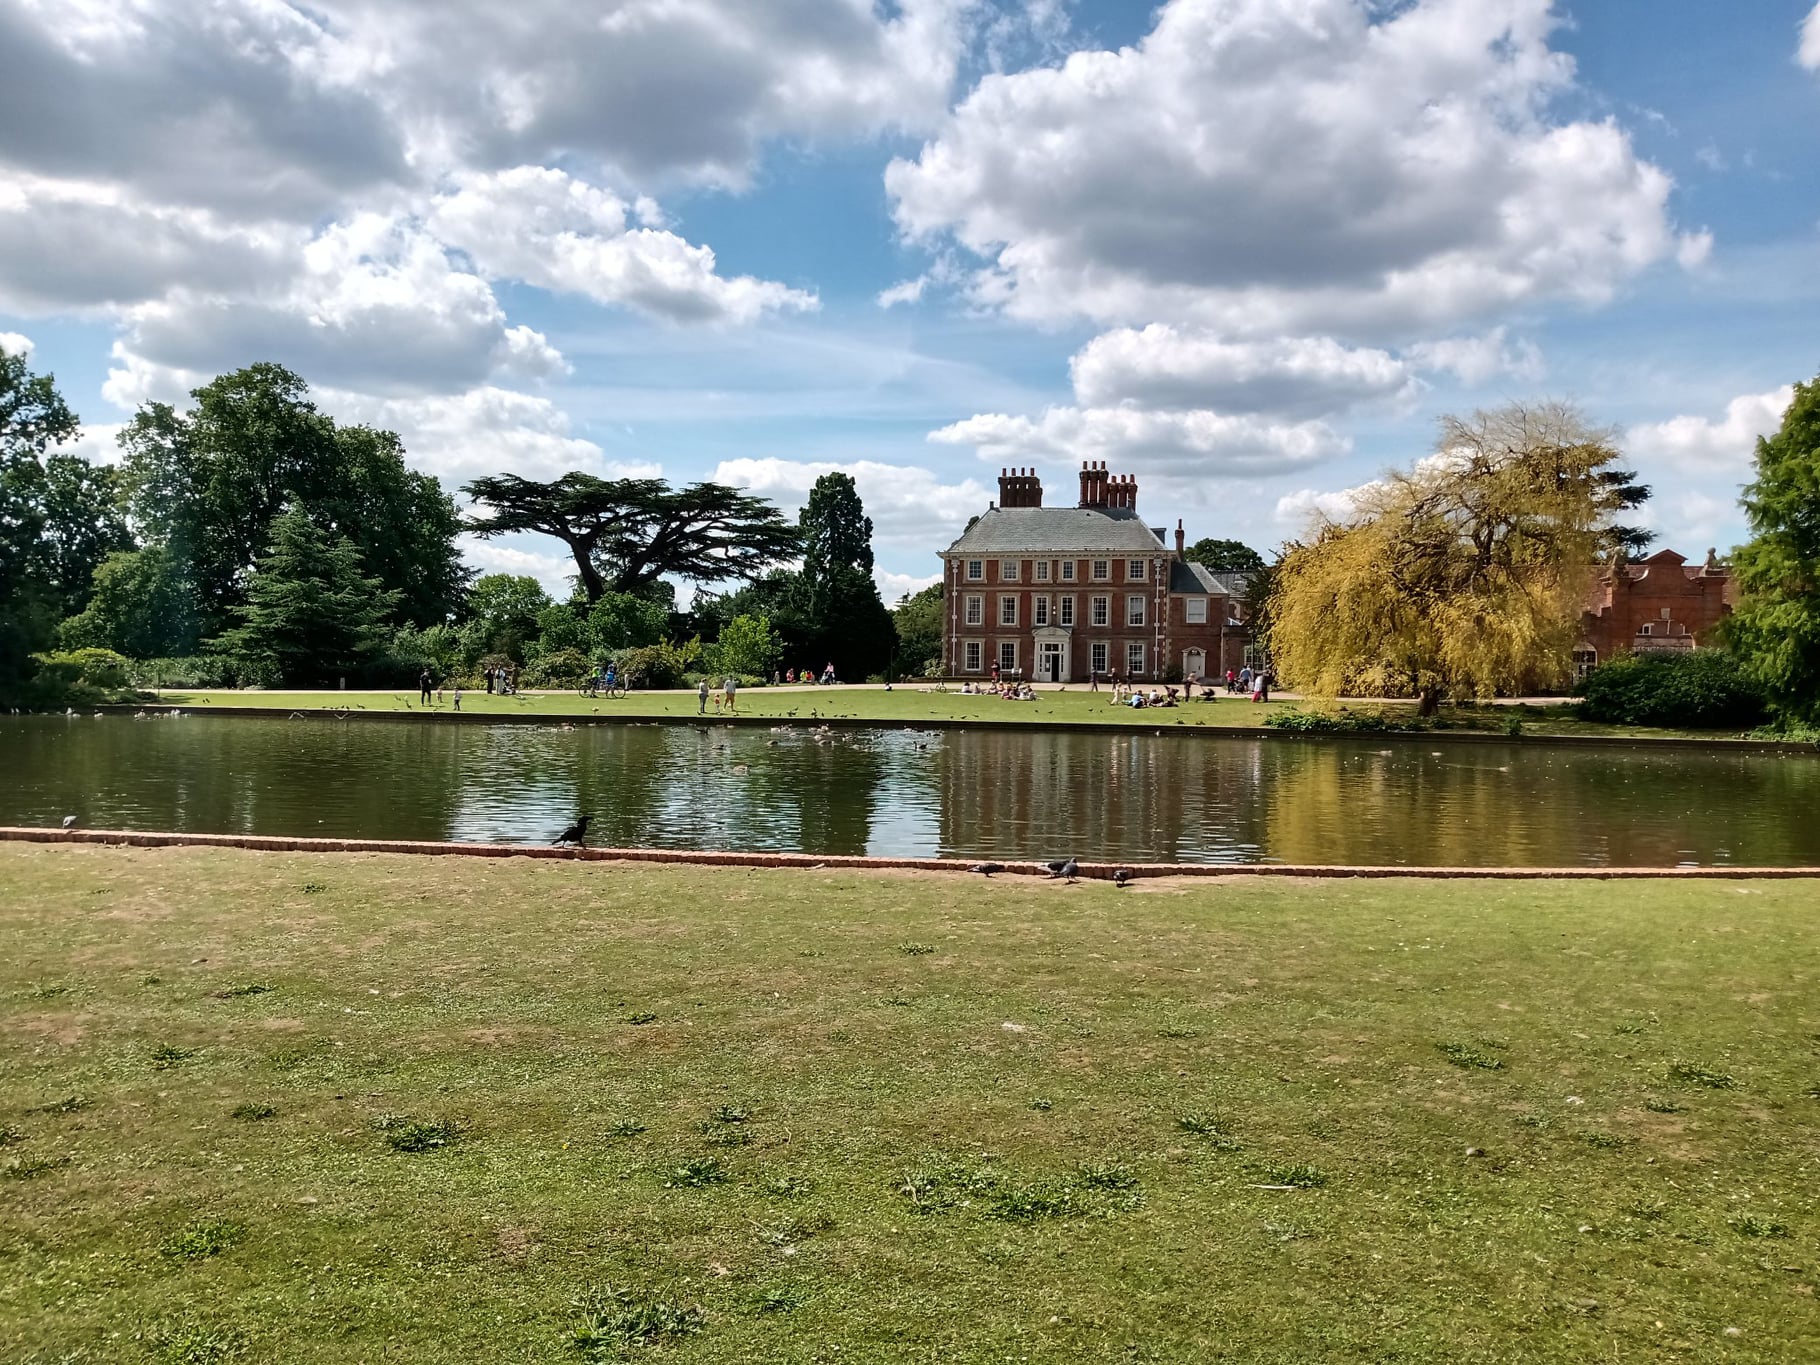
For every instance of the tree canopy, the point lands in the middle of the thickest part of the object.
(207, 483)
(1465, 574)
(850, 627)
(1225, 556)
(1775, 628)
(625, 534)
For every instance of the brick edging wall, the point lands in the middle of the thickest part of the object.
(1741, 746)
(806, 861)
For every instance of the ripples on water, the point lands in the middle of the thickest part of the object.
(1007, 794)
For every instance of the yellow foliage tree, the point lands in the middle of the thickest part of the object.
(1464, 575)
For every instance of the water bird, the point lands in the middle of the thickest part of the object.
(576, 833)
(1121, 877)
(1067, 868)
(987, 869)
(69, 822)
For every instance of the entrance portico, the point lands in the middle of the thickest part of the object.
(1053, 657)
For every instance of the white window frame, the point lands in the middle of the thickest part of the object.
(1136, 570)
(1102, 571)
(1067, 571)
(1007, 656)
(1646, 629)
(1099, 654)
(973, 652)
(1101, 612)
(1134, 658)
(976, 571)
(1039, 611)
(1192, 606)
(1064, 614)
(1042, 571)
(976, 610)
(1135, 609)
(1007, 570)
(1007, 609)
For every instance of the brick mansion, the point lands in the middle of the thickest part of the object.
(1055, 594)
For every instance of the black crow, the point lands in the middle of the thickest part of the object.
(987, 869)
(1121, 877)
(576, 833)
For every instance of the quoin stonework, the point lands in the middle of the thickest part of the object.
(1062, 594)
(1655, 604)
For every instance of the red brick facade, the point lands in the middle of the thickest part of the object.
(1659, 603)
(1060, 594)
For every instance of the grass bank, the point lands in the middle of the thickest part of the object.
(339, 1109)
(914, 704)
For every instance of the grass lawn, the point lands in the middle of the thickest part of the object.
(912, 703)
(362, 1108)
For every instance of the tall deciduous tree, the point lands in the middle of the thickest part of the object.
(1466, 574)
(918, 618)
(141, 604)
(207, 483)
(1775, 629)
(311, 613)
(625, 534)
(1225, 556)
(33, 419)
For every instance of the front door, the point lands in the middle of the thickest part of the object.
(1049, 662)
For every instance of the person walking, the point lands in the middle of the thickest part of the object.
(486, 676)
(458, 696)
(701, 696)
(732, 693)
(423, 687)
(1264, 684)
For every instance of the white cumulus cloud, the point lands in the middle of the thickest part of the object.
(1703, 445)
(546, 228)
(910, 506)
(1809, 52)
(15, 343)
(1321, 166)
(1187, 444)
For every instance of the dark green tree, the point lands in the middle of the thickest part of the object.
(503, 613)
(33, 418)
(626, 534)
(208, 482)
(1775, 629)
(919, 620)
(312, 614)
(1225, 556)
(141, 604)
(851, 628)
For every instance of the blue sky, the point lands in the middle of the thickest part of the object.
(1246, 249)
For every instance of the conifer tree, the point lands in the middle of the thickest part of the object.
(311, 614)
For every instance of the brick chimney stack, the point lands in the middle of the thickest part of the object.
(1093, 483)
(1181, 539)
(1019, 488)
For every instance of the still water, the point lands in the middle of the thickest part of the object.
(1009, 795)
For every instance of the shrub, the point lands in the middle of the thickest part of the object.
(96, 667)
(195, 670)
(660, 665)
(1331, 722)
(558, 668)
(1701, 688)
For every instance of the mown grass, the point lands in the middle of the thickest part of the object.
(912, 703)
(1255, 1141)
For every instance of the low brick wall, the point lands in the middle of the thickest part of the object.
(117, 838)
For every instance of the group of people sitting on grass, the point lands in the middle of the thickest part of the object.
(1124, 694)
(807, 675)
(1004, 691)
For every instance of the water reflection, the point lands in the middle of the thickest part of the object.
(1002, 794)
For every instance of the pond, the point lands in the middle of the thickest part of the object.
(1002, 794)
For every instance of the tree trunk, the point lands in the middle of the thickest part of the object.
(591, 582)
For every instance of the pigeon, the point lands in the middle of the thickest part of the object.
(987, 869)
(576, 834)
(1068, 869)
(1121, 877)
(69, 822)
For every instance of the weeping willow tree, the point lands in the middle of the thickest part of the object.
(1464, 575)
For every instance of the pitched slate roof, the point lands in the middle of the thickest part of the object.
(1057, 530)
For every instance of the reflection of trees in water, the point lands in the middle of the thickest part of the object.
(1504, 805)
(1009, 794)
